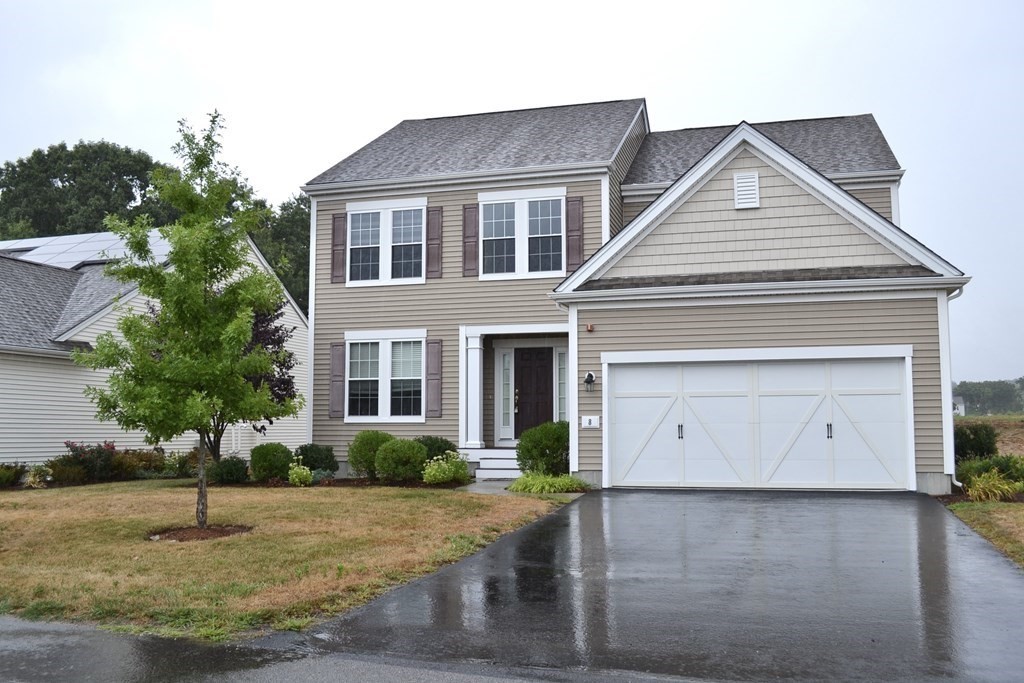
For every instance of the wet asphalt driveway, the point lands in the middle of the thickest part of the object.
(626, 584)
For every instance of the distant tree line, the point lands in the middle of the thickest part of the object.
(992, 396)
(70, 190)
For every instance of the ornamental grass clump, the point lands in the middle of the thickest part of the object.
(447, 468)
(991, 486)
(537, 482)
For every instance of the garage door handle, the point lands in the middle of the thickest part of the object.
(679, 431)
(828, 430)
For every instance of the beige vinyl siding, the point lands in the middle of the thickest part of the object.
(878, 198)
(791, 229)
(631, 210)
(439, 305)
(620, 166)
(837, 323)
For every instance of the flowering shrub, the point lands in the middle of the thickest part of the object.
(96, 461)
(299, 474)
(448, 467)
(38, 477)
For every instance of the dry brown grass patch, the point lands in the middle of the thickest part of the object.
(84, 553)
(1000, 523)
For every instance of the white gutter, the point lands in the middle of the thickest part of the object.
(29, 351)
(952, 477)
(746, 289)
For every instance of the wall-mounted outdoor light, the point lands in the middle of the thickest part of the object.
(588, 381)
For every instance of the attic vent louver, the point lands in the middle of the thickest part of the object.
(747, 191)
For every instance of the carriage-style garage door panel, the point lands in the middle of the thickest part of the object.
(806, 424)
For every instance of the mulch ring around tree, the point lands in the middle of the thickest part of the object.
(191, 533)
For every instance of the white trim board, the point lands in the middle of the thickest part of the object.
(745, 136)
(759, 354)
(311, 348)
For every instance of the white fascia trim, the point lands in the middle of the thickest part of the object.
(70, 333)
(642, 111)
(468, 186)
(384, 204)
(758, 300)
(29, 351)
(311, 324)
(420, 182)
(894, 200)
(510, 195)
(572, 391)
(466, 331)
(606, 219)
(754, 289)
(908, 421)
(866, 176)
(946, 382)
(606, 458)
(876, 178)
(759, 354)
(386, 335)
(644, 189)
(746, 135)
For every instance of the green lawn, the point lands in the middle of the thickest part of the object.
(84, 553)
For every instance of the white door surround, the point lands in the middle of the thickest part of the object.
(751, 418)
(471, 364)
(505, 380)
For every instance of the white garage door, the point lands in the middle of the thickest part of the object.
(807, 424)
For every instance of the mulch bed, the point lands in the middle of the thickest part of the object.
(191, 533)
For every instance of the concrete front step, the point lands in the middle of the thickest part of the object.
(490, 462)
(483, 474)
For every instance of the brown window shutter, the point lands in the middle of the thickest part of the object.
(433, 242)
(470, 248)
(433, 392)
(339, 232)
(337, 391)
(573, 233)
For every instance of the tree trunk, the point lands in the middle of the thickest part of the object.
(201, 489)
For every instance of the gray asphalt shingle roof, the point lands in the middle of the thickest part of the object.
(843, 144)
(497, 141)
(32, 300)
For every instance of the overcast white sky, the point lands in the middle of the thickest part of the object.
(304, 84)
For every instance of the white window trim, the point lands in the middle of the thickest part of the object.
(521, 199)
(509, 346)
(385, 338)
(386, 209)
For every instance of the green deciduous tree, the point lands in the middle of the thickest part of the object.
(284, 241)
(190, 363)
(992, 396)
(64, 191)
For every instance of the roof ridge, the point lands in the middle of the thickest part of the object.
(516, 111)
(764, 123)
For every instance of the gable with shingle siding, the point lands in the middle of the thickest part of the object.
(792, 229)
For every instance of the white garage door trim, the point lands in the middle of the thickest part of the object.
(894, 351)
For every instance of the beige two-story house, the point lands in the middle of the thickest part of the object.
(714, 307)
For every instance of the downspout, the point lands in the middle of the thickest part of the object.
(957, 292)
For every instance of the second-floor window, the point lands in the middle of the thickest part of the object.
(522, 234)
(385, 243)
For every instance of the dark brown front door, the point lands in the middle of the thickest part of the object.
(533, 391)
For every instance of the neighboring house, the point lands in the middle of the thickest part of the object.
(959, 407)
(712, 307)
(54, 297)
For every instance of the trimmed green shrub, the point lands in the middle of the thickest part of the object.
(1010, 466)
(401, 460)
(11, 474)
(991, 486)
(317, 457)
(270, 461)
(362, 453)
(230, 470)
(322, 475)
(536, 482)
(973, 440)
(544, 449)
(446, 468)
(437, 446)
